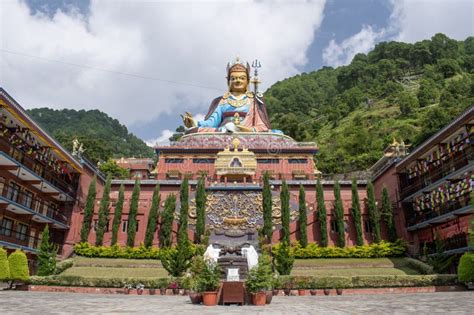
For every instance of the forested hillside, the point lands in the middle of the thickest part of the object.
(406, 91)
(102, 136)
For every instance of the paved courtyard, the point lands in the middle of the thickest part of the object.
(422, 303)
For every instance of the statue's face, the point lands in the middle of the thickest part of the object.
(238, 81)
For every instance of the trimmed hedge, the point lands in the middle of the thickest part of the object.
(77, 281)
(63, 265)
(116, 251)
(376, 250)
(4, 266)
(419, 266)
(18, 266)
(466, 268)
(363, 281)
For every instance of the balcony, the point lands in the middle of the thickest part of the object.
(457, 243)
(24, 241)
(69, 186)
(21, 202)
(440, 213)
(436, 173)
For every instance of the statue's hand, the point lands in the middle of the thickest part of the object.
(188, 120)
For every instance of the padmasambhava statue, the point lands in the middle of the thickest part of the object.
(238, 110)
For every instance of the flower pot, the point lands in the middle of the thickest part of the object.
(313, 292)
(259, 298)
(287, 292)
(126, 291)
(326, 291)
(152, 291)
(139, 291)
(301, 292)
(195, 297)
(275, 292)
(175, 291)
(339, 291)
(209, 298)
(163, 291)
(269, 296)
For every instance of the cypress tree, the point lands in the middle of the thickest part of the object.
(152, 217)
(103, 213)
(184, 210)
(374, 216)
(117, 215)
(46, 255)
(88, 211)
(302, 219)
(132, 214)
(200, 210)
(356, 215)
(285, 212)
(167, 221)
(388, 215)
(339, 214)
(18, 264)
(267, 208)
(322, 213)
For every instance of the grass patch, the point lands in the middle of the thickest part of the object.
(333, 263)
(81, 261)
(115, 272)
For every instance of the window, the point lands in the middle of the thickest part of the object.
(138, 174)
(21, 231)
(203, 161)
(13, 191)
(367, 226)
(28, 199)
(268, 161)
(333, 226)
(124, 226)
(6, 227)
(297, 161)
(173, 161)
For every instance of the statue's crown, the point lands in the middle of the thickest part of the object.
(238, 65)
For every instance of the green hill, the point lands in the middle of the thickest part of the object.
(103, 137)
(406, 91)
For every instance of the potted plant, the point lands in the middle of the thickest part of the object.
(127, 287)
(312, 285)
(276, 284)
(302, 284)
(288, 285)
(259, 279)
(174, 286)
(208, 281)
(140, 288)
(163, 285)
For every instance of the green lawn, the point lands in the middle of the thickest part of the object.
(332, 263)
(114, 272)
(116, 262)
(355, 272)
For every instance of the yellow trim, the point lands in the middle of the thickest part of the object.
(33, 130)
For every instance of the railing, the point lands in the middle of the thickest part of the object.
(446, 168)
(438, 210)
(460, 240)
(23, 239)
(38, 167)
(37, 205)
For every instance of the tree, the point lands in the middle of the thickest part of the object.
(356, 215)
(18, 264)
(448, 67)
(132, 214)
(111, 168)
(88, 211)
(408, 103)
(200, 209)
(285, 212)
(322, 213)
(46, 255)
(428, 93)
(165, 234)
(184, 211)
(152, 217)
(284, 259)
(374, 215)
(439, 260)
(103, 213)
(387, 212)
(117, 215)
(302, 218)
(267, 208)
(4, 266)
(339, 214)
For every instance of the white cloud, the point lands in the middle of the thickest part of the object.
(175, 41)
(341, 54)
(163, 139)
(410, 21)
(417, 20)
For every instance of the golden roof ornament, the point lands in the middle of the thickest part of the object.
(235, 143)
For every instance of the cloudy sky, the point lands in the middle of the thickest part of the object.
(143, 62)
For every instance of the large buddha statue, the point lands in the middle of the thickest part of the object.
(238, 110)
